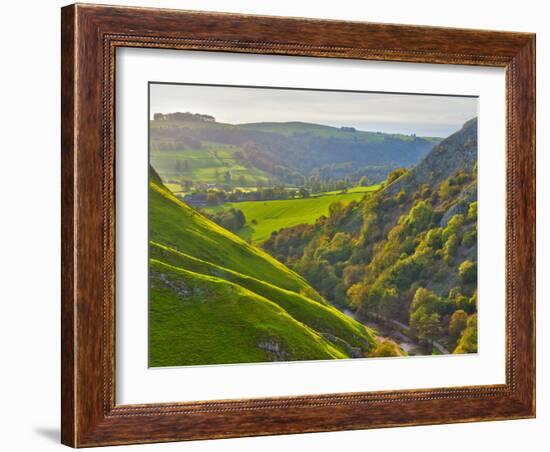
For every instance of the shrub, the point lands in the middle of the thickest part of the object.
(434, 238)
(473, 300)
(420, 216)
(386, 348)
(450, 249)
(405, 271)
(468, 338)
(453, 226)
(427, 300)
(458, 322)
(357, 295)
(388, 304)
(426, 327)
(470, 238)
(396, 174)
(447, 190)
(468, 272)
(472, 211)
(401, 197)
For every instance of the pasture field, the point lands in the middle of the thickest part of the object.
(265, 217)
(204, 165)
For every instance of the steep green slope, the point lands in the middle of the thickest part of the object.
(197, 319)
(175, 224)
(408, 253)
(216, 299)
(318, 315)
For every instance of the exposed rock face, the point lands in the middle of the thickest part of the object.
(455, 153)
(179, 287)
(353, 352)
(274, 348)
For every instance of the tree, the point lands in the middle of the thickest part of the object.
(473, 300)
(239, 218)
(458, 322)
(434, 238)
(426, 299)
(396, 174)
(472, 211)
(447, 189)
(304, 193)
(454, 224)
(468, 338)
(212, 198)
(401, 197)
(353, 274)
(357, 295)
(420, 216)
(467, 272)
(470, 237)
(450, 249)
(227, 177)
(364, 182)
(386, 348)
(388, 305)
(186, 184)
(426, 327)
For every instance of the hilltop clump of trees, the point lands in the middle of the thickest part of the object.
(183, 117)
(407, 254)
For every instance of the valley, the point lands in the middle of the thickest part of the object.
(296, 241)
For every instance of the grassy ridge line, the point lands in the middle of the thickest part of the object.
(296, 127)
(321, 317)
(178, 226)
(232, 324)
(178, 258)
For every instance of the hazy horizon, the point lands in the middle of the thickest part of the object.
(420, 114)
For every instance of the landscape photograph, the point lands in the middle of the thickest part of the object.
(294, 224)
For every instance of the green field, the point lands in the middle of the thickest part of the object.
(265, 217)
(204, 165)
(215, 299)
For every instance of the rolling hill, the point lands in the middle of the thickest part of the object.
(215, 299)
(286, 152)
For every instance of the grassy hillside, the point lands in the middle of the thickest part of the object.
(265, 217)
(296, 127)
(216, 299)
(283, 152)
(207, 165)
(212, 321)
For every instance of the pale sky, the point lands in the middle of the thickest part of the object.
(391, 113)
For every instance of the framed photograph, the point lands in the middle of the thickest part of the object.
(280, 225)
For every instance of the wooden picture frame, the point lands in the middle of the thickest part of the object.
(90, 36)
